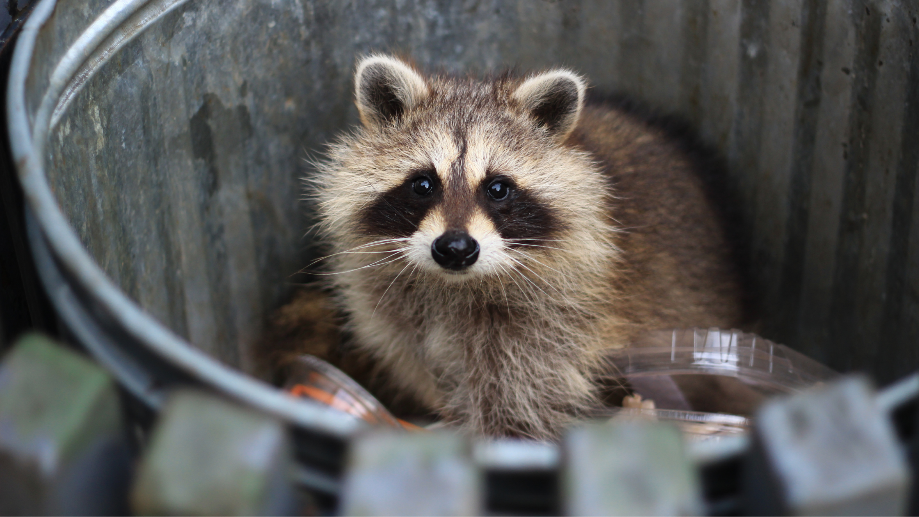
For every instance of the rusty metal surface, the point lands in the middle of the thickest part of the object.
(178, 162)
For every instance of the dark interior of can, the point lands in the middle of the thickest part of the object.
(179, 163)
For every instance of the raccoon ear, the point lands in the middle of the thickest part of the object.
(386, 88)
(553, 99)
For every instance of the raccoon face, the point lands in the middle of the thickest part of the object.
(464, 177)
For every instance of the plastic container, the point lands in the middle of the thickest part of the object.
(312, 378)
(709, 382)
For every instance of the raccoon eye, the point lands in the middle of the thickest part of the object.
(423, 186)
(498, 190)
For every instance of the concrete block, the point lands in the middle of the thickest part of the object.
(628, 468)
(208, 456)
(55, 408)
(392, 473)
(828, 451)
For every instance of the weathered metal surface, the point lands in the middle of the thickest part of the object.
(178, 161)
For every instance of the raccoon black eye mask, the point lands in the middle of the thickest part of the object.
(489, 239)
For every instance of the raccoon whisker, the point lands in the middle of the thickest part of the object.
(404, 248)
(375, 307)
(537, 276)
(400, 254)
(504, 292)
(305, 269)
(529, 281)
(371, 252)
(382, 241)
(382, 262)
(519, 287)
(378, 243)
(349, 253)
(527, 255)
(412, 272)
(362, 246)
(537, 239)
(537, 246)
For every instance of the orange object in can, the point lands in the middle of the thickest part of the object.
(314, 379)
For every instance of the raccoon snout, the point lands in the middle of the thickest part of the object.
(455, 250)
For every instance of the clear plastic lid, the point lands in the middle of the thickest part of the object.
(708, 382)
(748, 357)
(695, 425)
(315, 379)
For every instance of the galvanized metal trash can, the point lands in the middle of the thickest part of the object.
(160, 145)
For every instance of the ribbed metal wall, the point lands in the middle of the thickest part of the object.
(178, 163)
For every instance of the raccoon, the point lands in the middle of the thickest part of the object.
(491, 239)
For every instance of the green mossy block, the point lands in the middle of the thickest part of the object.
(411, 474)
(54, 404)
(831, 450)
(628, 468)
(208, 456)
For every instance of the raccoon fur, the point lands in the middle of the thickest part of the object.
(490, 239)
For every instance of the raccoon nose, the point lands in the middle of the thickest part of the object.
(455, 250)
